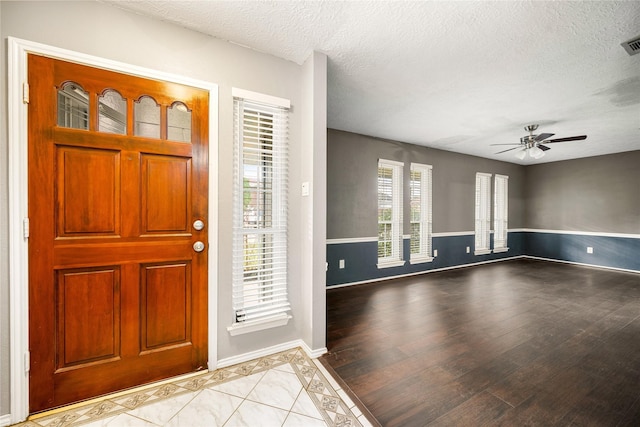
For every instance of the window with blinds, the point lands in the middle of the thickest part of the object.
(390, 213)
(483, 214)
(500, 213)
(260, 211)
(420, 202)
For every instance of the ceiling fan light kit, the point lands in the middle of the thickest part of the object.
(532, 144)
(535, 152)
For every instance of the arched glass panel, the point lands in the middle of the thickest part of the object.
(179, 123)
(113, 112)
(146, 116)
(73, 107)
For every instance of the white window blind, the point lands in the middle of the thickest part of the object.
(390, 175)
(420, 192)
(483, 213)
(260, 212)
(500, 212)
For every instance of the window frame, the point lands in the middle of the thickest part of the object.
(500, 213)
(261, 314)
(395, 223)
(482, 236)
(425, 253)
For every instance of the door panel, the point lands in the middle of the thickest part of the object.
(88, 187)
(165, 198)
(166, 298)
(117, 294)
(88, 329)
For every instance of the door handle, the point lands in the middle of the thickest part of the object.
(198, 246)
(198, 224)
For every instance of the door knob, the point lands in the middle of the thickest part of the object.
(198, 224)
(198, 246)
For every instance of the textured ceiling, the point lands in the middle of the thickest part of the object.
(452, 75)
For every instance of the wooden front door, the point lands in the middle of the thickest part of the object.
(117, 177)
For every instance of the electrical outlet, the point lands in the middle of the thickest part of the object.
(341, 263)
(468, 249)
(435, 253)
(589, 250)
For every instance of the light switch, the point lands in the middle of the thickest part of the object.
(435, 253)
(341, 263)
(589, 250)
(305, 188)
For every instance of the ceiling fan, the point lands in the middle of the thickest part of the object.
(532, 144)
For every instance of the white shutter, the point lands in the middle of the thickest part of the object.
(483, 213)
(390, 216)
(260, 211)
(500, 212)
(421, 212)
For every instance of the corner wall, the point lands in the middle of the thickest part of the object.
(313, 201)
(585, 203)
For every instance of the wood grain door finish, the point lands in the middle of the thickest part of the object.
(117, 294)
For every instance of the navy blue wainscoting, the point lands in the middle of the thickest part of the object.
(361, 258)
(608, 251)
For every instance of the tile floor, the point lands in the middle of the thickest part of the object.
(285, 389)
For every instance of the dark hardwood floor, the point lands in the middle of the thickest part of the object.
(515, 343)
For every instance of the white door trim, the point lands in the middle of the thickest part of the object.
(18, 203)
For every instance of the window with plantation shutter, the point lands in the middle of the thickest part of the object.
(483, 213)
(390, 213)
(420, 202)
(259, 212)
(500, 213)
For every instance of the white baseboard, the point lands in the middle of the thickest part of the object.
(263, 352)
(583, 264)
(5, 420)
(313, 354)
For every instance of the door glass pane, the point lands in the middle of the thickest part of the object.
(179, 123)
(113, 113)
(73, 107)
(146, 113)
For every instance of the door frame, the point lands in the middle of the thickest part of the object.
(18, 50)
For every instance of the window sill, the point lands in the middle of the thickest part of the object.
(420, 260)
(258, 325)
(387, 264)
(498, 250)
(482, 252)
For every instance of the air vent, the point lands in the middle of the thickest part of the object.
(632, 46)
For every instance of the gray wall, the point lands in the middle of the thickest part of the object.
(352, 162)
(97, 29)
(595, 194)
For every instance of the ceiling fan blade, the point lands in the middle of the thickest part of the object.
(505, 144)
(508, 149)
(543, 147)
(570, 138)
(543, 136)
